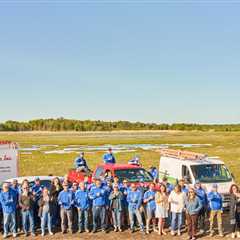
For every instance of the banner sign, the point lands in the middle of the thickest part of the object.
(8, 160)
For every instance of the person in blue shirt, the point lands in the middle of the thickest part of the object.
(98, 196)
(216, 209)
(108, 189)
(16, 187)
(109, 158)
(154, 172)
(66, 202)
(8, 200)
(125, 189)
(37, 193)
(134, 199)
(202, 195)
(169, 186)
(82, 203)
(135, 161)
(81, 163)
(149, 200)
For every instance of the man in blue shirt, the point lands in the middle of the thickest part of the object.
(134, 199)
(109, 158)
(37, 192)
(8, 200)
(82, 203)
(216, 207)
(98, 196)
(66, 202)
(81, 163)
(149, 199)
(135, 161)
(125, 189)
(202, 195)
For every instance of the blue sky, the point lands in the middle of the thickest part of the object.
(156, 62)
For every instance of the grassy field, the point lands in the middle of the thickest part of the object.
(226, 145)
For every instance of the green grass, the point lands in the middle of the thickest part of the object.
(226, 145)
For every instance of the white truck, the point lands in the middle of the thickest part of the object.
(177, 164)
(8, 160)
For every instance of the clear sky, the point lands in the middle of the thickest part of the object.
(156, 62)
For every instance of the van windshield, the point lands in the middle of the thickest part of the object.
(133, 175)
(211, 173)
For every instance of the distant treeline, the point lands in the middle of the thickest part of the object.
(62, 124)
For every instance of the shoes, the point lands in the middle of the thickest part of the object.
(115, 229)
(5, 236)
(172, 233)
(238, 234)
(33, 234)
(14, 235)
(179, 233)
(233, 235)
(164, 233)
(51, 233)
(120, 230)
(87, 231)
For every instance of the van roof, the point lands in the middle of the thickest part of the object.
(207, 160)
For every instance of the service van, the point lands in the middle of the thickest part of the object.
(177, 164)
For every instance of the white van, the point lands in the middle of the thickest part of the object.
(176, 164)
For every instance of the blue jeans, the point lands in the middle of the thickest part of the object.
(99, 213)
(9, 222)
(27, 216)
(116, 215)
(176, 221)
(82, 219)
(132, 213)
(46, 220)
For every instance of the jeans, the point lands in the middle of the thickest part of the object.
(82, 219)
(66, 218)
(137, 213)
(9, 222)
(201, 218)
(27, 216)
(116, 215)
(99, 213)
(176, 222)
(46, 219)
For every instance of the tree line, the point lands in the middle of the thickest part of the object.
(62, 124)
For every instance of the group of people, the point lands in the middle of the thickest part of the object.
(108, 204)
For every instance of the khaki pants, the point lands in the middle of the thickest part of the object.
(66, 219)
(218, 214)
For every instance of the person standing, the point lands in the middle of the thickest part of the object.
(98, 196)
(125, 189)
(193, 206)
(66, 201)
(27, 203)
(162, 208)
(176, 200)
(82, 203)
(109, 158)
(234, 213)
(216, 209)
(202, 195)
(149, 200)
(134, 199)
(116, 207)
(55, 189)
(45, 211)
(8, 200)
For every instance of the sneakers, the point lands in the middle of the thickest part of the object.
(179, 233)
(233, 235)
(5, 236)
(172, 233)
(120, 230)
(14, 235)
(51, 233)
(33, 234)
(42, 234)
(238, 234)
(115, 229)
